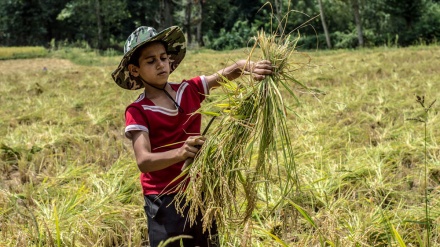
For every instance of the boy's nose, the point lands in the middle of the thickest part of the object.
(161, 64)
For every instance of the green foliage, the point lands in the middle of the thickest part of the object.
(92, 20)
(312, 42)
(344, 40)
(404, 19)
(428, 27)
(28, 23)
(340, 40)
(106, 24)
(338, 16)
(238, 37)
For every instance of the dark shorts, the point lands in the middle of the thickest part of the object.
(165, 222)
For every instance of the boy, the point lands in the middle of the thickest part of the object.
(161, 124)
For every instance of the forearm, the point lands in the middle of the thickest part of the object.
(150, 162)
(231, 72)
(235, 70)
(259, 70)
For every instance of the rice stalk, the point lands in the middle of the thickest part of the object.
(397, 237)
(250, 147)
(174, 239)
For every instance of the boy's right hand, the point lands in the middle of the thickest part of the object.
(191, 146)
(259, 69)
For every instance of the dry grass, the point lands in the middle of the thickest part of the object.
(69, 178)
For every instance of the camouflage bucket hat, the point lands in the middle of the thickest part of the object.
(176, 49)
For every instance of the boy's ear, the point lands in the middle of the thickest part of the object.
(134, 70)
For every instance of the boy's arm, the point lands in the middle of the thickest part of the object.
(259, 70)
(149, 162)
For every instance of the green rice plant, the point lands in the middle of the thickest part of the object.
(249, 150)
(57, 225)
(397, 236)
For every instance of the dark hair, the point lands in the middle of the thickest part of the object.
(134, 59)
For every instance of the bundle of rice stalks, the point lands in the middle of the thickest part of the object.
(249, 151)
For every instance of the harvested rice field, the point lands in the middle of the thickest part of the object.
(363, 145)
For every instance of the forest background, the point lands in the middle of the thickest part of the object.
(219, 25)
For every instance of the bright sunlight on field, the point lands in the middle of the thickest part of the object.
(366, 149)
(22, 52)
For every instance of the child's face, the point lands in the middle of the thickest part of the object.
(154, 65)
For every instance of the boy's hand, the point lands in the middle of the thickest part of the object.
(191, 146)
(260, 69)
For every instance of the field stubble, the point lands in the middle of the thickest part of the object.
(69, 177)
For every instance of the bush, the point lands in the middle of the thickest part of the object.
(238, 37)
(428, 27)
(312, 42)
(339, 40)
(342, 40)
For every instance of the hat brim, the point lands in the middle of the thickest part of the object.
(176, 49)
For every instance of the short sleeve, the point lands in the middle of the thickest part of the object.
(134, 121)
(200, 85)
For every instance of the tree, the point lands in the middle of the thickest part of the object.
(141, 13)
(29, 22)
(220, 24)
(278, 6)
(355, 6)
(92, 21)
(190, 14)
(164, 17)
(199, 37)
(187, 20)
(324, 25)
(99, 23)
(428, 26)
(357, 18)
(404, 14)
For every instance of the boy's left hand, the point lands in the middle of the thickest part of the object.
(260, 69)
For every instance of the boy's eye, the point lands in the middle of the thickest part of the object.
(153, 60)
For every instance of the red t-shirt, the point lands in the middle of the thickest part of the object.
(165, 127)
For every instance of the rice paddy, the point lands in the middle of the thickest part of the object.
(365, 173)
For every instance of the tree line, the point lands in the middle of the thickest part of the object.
(228, 24)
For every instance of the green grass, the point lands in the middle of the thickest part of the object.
(22, 52)
(87, 57)
(69, 177)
